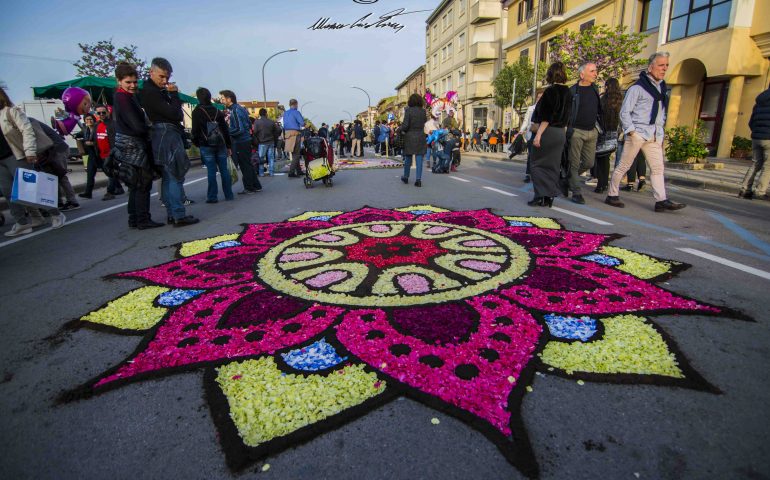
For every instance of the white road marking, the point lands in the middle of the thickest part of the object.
(729, 263)
(501, 191)
(459, 179)
(580, 215)
(80, 219)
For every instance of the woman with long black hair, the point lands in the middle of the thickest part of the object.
(611, 101)
(551, 116)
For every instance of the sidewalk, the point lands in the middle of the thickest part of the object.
(727, 180)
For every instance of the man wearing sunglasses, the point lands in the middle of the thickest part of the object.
(105, 139)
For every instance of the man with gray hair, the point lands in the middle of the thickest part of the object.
(293, 123)
(582, 132)
(643, 118)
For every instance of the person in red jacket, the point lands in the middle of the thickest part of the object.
(105, 138)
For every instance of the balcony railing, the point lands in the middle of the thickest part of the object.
(551, 9)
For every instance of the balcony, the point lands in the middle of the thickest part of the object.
(479, 89)
(483, 51)
(551, 15)
(483, 11)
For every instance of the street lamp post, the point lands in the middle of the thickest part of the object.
(368, 107)
(349, 114)
(303, 105)
(264, 89)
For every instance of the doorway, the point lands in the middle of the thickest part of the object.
(479, 117)
(712, 110)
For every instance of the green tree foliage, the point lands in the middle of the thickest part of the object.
(100, 59)
(612, 50)
(523, 71)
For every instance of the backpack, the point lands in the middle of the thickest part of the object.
(316, 147)
(211, 132)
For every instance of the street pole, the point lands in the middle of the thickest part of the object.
(368, 106)
(264, 89)
(349, 115)
(539, 14)
(513, 103)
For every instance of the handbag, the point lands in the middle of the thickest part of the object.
(233, 171)
(42, 141)
(606, 145)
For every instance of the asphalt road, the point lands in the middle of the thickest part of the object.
(162, 428)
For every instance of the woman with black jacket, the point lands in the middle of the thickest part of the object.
(414, 137)
(551, 115)
(132, 149)
(211, 135)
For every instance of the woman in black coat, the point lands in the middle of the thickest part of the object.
(551, 115)
(414, 137)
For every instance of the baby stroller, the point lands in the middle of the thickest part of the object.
(447, 147)
(319, 161)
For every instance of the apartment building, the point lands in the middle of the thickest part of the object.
(274, 110)
(719, 51)
(463, 53)
(413, 83)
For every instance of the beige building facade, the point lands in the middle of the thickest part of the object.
(413, 83)
(719, 51)
(463, 53)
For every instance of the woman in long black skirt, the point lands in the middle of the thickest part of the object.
(551, 115)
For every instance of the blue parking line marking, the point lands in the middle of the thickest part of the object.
(740, 231)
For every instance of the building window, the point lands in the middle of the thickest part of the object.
(522, 13)
(449, 50)
(691, 17)
(460, 78)
(443, 54)
(435, 60)
(449, 18)
(444, 22)
(435, 33)
(461, 42)
(524, 53)
(461, 7)
(651, 10)
(587, 25)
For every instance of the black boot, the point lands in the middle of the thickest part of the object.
(536, 202)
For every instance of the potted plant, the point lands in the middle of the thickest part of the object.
(686, 145)
(741, 148)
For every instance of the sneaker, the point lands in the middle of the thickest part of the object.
(57, 221)
(592, 182)
(578, 199)
(614, 201)
(18, 229)
(69, 206)
(108, 196)
(668, 205)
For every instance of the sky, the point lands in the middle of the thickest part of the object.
(223, 45)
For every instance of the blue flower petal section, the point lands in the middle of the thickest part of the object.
(421, 212)
(605, 260)
(314, 357)
(517, 223)
(226, 244)
(174, 298)
(571, 328)
(322, 218)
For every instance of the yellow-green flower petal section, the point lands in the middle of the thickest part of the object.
(266, 403)
(630, 345)
(638, 264)
(542, 222)
(133, 311)
(309, 215)
(188, 249)
(422, 208)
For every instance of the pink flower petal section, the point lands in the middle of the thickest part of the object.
(613, 291)
(380, 228)
(480, 266)
(327, 278)
(369, 214)
(268, 235)
(413, 283)
(436, 230)
(327, 237)
(480, 243)
(194, 334)
(298, 257)
(208, 270)
(482, 219)
(558, 243)
(472, 375)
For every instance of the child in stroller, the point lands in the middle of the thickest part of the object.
(446, 146)
(319, 161)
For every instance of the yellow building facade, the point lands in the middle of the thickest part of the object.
(719, 51)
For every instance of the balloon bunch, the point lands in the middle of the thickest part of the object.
(77, 102)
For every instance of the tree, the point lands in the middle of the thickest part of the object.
(612, 50)
(523, 72)
(101, 58)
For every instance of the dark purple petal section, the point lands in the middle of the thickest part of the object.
(533, 240)
(234, 263)
(448, 323)
(554, 279)
(261, 307)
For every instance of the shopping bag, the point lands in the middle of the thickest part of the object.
(233, 171)
(35, 189)
(318, 169)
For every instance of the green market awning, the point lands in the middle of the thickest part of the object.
(101, 89)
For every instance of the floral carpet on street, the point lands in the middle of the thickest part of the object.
(302, 325)
(364, 163)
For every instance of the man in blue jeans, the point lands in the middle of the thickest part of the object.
(160, 100)
(265, 136)
(240, 136)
